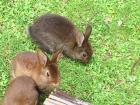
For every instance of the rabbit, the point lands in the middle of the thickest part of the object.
(38, 66)
(21, 91)
(52, 32)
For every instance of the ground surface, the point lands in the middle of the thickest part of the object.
(107, 79)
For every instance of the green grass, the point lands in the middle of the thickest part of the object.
(106, 80)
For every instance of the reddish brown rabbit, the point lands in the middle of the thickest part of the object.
(21, 91)
(38, 66)
(52, 32)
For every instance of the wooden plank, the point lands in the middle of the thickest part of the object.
(53, 102)
(61, 98)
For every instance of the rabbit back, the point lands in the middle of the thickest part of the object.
(21, 91)
(52, 32)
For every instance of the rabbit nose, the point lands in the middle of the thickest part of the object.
(85, 55)
(55, 84)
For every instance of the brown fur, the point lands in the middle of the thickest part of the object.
(21, 91)
(53, 32)
(38, 66)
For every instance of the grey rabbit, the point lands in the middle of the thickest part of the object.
(52, 32)
(21, 91)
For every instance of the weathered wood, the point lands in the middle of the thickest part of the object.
(61, 98)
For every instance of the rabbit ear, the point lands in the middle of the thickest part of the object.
(88, 31)
(79, 38)
(42, 57)
(57, 55)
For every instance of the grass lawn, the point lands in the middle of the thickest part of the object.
(107, 79)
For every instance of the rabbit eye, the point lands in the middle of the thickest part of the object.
(47, 73)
